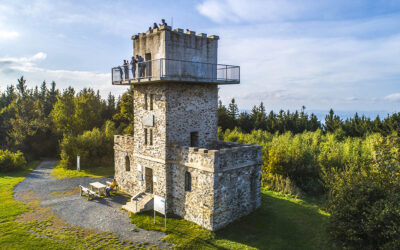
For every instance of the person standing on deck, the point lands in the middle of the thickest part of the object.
(126, 69)
(141, 66)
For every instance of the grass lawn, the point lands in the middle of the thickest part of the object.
(59, 172)
(29, 226)
(282, 222)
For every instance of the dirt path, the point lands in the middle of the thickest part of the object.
(63, 198)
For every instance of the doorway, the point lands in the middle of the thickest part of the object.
(194, 139)
(148, 172)
(147, 58)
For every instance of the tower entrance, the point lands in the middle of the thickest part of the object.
(148, 172)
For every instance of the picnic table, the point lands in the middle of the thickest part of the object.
(98, 187)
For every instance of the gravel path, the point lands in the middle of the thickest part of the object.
(103, 215)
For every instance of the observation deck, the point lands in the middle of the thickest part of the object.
(166, 70)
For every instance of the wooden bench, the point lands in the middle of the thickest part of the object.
(89, 192)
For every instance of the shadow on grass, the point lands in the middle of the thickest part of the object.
(280, 223)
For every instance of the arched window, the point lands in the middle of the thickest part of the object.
(188, 182)
(127, 164)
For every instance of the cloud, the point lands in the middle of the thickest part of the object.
(221, 11)
(240, 10)
(8, 34)
(13, 68)
(395, 97)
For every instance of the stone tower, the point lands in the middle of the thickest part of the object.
(174, 152)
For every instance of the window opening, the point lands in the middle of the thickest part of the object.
(188, 182)
(194, 139)
(151, 101)
(127, 164)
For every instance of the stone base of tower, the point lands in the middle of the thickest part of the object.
(210, 187)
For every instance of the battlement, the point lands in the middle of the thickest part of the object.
(123, 143)
(175, 55)
(234, 155)
(177, 31)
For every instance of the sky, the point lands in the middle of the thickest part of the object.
(336, 54)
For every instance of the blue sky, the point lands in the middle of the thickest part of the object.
(321, 54)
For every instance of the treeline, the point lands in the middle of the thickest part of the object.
(46, 122)
(229, 117)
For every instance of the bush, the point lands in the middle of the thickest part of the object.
(10, 161)
(305, 162)
(95, 148)
(364, 202)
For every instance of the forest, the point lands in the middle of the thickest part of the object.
(352, 166)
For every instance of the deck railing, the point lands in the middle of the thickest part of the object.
(176, 70)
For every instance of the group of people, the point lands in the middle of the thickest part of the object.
(136, 60)
(155, 26)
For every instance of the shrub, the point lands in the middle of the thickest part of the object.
(305, 162)
(10, 161)
(95, 148)
(364, 202)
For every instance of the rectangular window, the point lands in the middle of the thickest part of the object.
(145, 136)
(194, 139)
(151, 101)
(145, 101)
(151, 137)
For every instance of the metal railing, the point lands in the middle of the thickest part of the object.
(176, 70)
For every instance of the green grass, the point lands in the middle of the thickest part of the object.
(58, 172)
(282, 222)
(29, 226)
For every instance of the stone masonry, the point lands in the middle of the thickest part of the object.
(174, 152)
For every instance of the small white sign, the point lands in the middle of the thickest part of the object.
(159, 204)
(139, 167)
(78, 163)
(148, 120)
(154, 178)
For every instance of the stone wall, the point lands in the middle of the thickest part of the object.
(188, 46)
(235, 174)
(191, 107)
(195, 205)
(236, 194)
(157, 116)
(133, 181)
(180, 48)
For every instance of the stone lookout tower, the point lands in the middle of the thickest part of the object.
(174, 152)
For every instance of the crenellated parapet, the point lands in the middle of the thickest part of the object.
(177, 30)
(233, 156)
(123, 143)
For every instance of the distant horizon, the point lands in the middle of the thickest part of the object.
(343, 114)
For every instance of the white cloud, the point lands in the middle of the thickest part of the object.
(12, 68)
(395, 97)
(289, 10)
(241, 10)
(8, 34)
